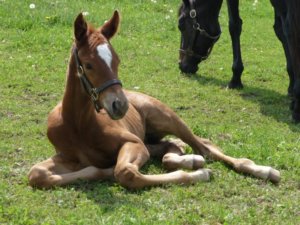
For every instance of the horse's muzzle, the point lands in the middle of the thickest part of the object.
(115, 104)
(119, 109)
(188, 68)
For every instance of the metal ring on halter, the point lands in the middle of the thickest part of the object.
(193, 13)
(80, 70)
(196, 26)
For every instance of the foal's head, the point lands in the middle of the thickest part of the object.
(200, 29)
(97, 65)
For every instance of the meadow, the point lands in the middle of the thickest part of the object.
(35, 41)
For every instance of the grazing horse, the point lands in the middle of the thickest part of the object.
(200, 29)
(103, 132)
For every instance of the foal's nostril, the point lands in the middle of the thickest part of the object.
(119, 108)
(116, 105)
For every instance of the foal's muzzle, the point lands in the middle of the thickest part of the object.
(115, 103)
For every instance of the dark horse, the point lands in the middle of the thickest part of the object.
(200, 30)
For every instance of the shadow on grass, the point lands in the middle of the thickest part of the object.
(271, 103)
(111, 196)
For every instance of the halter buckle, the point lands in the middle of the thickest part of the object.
(94, 94)
(193, 13)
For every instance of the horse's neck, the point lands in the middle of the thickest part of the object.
(76, 105)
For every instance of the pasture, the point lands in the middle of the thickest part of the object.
(255, 122)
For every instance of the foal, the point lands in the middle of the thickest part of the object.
(102, 132)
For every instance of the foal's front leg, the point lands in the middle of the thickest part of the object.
(57, 171)
(133, 156)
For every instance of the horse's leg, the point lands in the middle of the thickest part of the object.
(132, 157)
(174, 157)
(287, 29)
(56, 171)
(296, 99)
(163, 120)
(278, 28)
(235, 29)
(292, 32)
(294, 85)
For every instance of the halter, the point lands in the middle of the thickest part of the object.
(88, 86)
(196, 27)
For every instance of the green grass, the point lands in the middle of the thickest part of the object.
(254, 122)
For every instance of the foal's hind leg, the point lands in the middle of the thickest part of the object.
(174, 157)
(162, 120)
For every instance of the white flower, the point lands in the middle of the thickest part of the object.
(32, 6)
(85, 13)
(167, 17)
(171, 11)
(255, 3)
(154, 1)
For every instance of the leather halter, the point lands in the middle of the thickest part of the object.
(88, 86)
(197, 28)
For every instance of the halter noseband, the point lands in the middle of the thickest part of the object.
(88, 86)
(196, 27)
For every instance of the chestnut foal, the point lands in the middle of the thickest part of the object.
(102, 132)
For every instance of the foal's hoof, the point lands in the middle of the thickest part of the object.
(201, 175)
(274, 176)
(198, 162)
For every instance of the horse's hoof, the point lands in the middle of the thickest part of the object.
(274, 176)
(201, 175)
(198, 162)
(296, 117)
(235, 85)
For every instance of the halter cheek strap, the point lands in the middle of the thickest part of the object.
(88, 86)
(197, 28)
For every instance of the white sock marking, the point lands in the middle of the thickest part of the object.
(105, 54)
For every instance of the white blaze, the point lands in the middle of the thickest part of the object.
(105, 54)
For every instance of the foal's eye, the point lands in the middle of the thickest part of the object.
(88, 66)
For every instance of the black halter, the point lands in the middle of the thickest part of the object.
(197, 28)
(88, 86)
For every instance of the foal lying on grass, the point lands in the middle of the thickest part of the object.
(101, 131)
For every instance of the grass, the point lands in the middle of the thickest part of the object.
(254, 122)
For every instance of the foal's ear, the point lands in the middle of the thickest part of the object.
(110, 27)
(80, 28)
